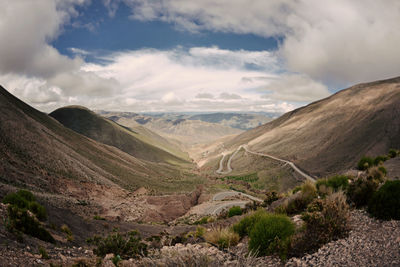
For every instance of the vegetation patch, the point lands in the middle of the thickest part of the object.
(128, 245)
(335, 183)
(385, 203)
(222, 237)
(271, 234)
(234, 211)
(253, 177)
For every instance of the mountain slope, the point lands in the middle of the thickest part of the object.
(40, 153)
(234, 120)
(176, 127)
(331, 135)
(135, 143)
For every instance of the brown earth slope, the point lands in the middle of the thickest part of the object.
(332, 134)
(38, 152)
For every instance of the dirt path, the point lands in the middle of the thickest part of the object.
(229, 168)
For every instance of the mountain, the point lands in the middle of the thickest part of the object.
(177, 127)
(40, 153)
(241, 121)
(332, 134)
(138, 141)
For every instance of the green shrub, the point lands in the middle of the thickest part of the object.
(43, 253)
(365, 163)
(20, 220)
(24, 199)
(325, 220)
(38, 210)
(271, 234)
(379, 160)
(203, 220)
(235, 210)
(361, 191)
(383, 170)
(376, 173)
(338, 182)
(298, 203)
(392, 153)
(127, 245)
(245, 225)
(385, 203)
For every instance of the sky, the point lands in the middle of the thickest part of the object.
(204, 55)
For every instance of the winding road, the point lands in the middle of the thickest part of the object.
(218, 204)
(229, 168)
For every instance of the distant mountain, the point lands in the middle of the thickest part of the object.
(234, 120)
(138, 141)
(178, 127)
(332, 134)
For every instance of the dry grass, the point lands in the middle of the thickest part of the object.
(223, 237)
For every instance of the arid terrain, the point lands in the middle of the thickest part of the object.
(169, 179)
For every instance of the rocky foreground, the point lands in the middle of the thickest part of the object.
(370, 243)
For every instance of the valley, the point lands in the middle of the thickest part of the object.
(169, 176)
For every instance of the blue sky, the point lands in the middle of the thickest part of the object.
(206, 55)
(99, 31)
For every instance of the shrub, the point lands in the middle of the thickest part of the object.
(376, 173)
(365, 163)
(338, 182)
(20, 220)
(379, 160)
(298, 203)
(127, 245)
(223, 237)
(24, 199)
(325, 220)
(245, 225)
(235, 210)
(361, 190)
(43, 253)
(38, 210)
(392, 153)
(385, 203)
(271, 234)
(68, 232)
(270, 197)
(382, 170)
(203, 220)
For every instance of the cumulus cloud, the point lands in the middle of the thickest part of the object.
(26, 29)
(204, 96)
(295, 88)
(339, 42)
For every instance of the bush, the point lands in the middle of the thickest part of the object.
(235, 210)
(24, 199)
(298, 203)
(379, 160)
(338, 182)
(43, 253)
(385, 203)
(376, 173)
(271, 234)
(245, 225)
(365, 163)
(20, 220)
(127, 245)
(361, 190)
(392, 153)
(223, 237)
(325, 220)
(270, 197)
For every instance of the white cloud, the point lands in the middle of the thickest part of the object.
(340, 42)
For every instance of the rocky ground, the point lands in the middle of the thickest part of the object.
(370, 243)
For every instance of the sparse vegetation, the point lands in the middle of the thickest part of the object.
(68, 232)
(338, 182)
(222, 237)
(43, 253)
(385, 203)
(24, 199)
(298, 202)
(127, 245)
(271, 234)
(393, 153)
(270, 197)
(365, 163)
(253, 177)
(361, 190)
(235, 210)
(99, 218)
(325, 220)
